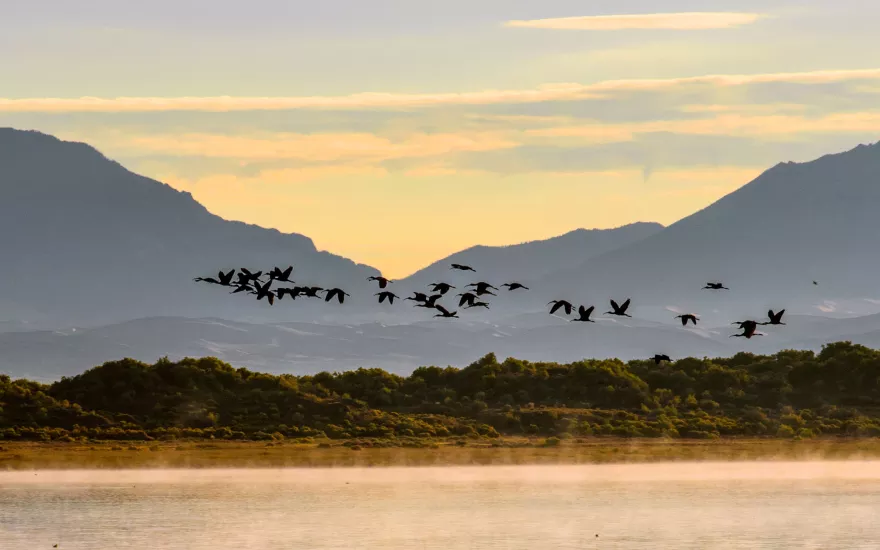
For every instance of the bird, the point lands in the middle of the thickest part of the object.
(243, 288)
(445, 312)
(442, 288)
(461, 267)
(418, 297)
(223, 279)
(514, 286)
(585, 314)
(431, 301)
(281, 276)
(483, 292)
(482, 286)
(478, 304)
(251, 276)
(775, 318)
(311, 291)
(383, 282)
(390, 296)
(748, 328)
(338, 293)
(466, 298)
(687, 317)
(619, 310)
(264, 292)
(815, 283)
(560, 304)
(659, 358)
(715, 286)
(293, 292)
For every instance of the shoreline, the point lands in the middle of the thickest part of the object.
(341, 454)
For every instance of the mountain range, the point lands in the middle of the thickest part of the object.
(89, 244)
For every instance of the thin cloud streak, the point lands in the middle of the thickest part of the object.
(667, 21)
(545, 93)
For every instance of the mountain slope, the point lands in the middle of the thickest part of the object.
(767, 241)
(535, 259)
(85, 241)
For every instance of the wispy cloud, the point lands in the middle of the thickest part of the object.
(545, 93)
(671, 21)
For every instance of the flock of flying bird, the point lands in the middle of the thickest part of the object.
(474, 296)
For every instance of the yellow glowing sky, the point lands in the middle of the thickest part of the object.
(395, 134)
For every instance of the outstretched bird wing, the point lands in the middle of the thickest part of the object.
(556, 307)
(590, 310)
(625, 305)
(614, 306)
(441, 309)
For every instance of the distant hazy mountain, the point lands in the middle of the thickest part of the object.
(535, 259)
(767, 241)
(84, 241)
(312, 347)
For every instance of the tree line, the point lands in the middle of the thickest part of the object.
(787, 394)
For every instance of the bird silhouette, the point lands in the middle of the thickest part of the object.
(619, 310)
(748, 328)
(418, 297)
(514, 286)
(585, 314)
(815, 283)
(687, 317)
(715, 286)
(390, 296)
(461, 267)
(484, 292)
(311, 291)
(243, 288)
(775, 318)
(263, 291)
(223, 279)
(445, 312)
(442, 288)
(337, 293)
(659, 358)
(560, 304)
(383, 282)
(478, 304)
(251, 276)
(292, 292)
(432, 300)
(210, 280)
(281, 276)
(466, 298)
(482, 286)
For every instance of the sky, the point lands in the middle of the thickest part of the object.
(396, 132)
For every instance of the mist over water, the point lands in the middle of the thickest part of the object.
(667, 506)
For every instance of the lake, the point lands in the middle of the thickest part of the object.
(674, 506)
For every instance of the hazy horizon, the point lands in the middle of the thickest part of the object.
(352, 123)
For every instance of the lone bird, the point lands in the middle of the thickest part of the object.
(560, 304)
(461, 267)
(383, 282)
(775, 318)
(748, 328)
(445, 312)
(337, 293)
(619, 310)
(281, 276)
(660, 358)
(264, 292)
(815, 283)
(390, 296)
(585, 314)
(687, 317)
(514, 286)
(466, 298)
(442, 288)
(418, 297)
(478, 304)
(715, 286)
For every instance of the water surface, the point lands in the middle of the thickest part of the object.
(678, 506)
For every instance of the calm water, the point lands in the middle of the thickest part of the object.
(665, 506)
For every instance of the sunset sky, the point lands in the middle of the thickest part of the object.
(395, 132)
